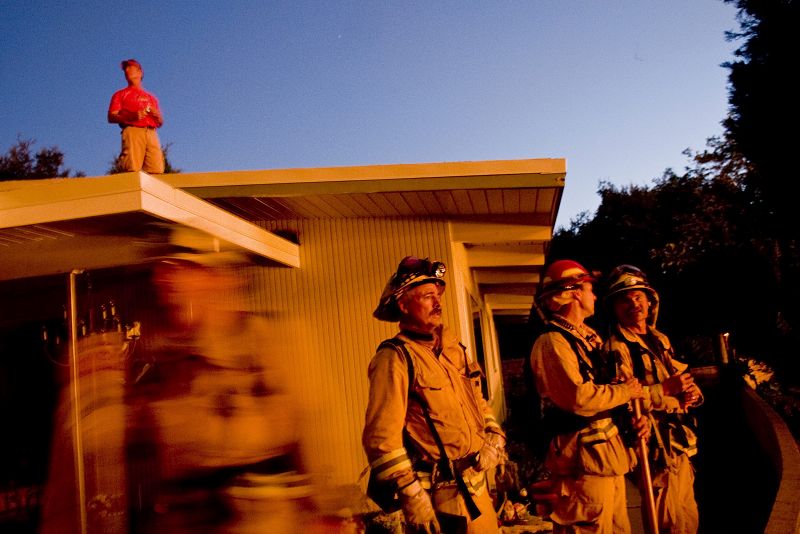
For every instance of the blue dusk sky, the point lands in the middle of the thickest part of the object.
(617, 88)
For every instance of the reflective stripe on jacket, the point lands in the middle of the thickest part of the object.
(597, 448)
(454, 400)
(656, 368)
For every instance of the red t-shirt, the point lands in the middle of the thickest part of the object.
(134, 99)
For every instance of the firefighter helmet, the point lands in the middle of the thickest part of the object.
(627, 278)
(560, 276)
(411, 272)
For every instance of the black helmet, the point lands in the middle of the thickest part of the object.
(627, 278)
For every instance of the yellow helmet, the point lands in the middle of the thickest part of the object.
(411, 272)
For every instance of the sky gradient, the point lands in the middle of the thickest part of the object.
(618, 88)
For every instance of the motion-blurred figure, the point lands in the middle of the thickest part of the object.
(214, 443)
(646, 354)
(86, 490)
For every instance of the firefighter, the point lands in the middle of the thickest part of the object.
(216, 440)
(645, 353)
(429, 435)
(581, 409)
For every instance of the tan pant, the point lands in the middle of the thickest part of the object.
(591, 504)
(675, 502)
(141, 150)
(486, 523)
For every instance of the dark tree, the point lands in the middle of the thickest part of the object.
(722, 240)
(765, 106)
(692, 234)
(763, 122)
(19, 164)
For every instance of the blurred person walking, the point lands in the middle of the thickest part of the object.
(216, 435)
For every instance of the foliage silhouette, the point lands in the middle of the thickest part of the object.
(18, 163)
(720, 240)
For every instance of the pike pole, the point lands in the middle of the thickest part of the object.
(646, 482)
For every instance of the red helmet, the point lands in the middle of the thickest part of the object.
(563, 275)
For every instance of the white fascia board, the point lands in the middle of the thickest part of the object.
(163, 201)
(375, 178)
(487, 232)
(23, 203)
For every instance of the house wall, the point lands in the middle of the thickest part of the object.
(326, 308)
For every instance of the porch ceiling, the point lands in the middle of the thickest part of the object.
(502, 211)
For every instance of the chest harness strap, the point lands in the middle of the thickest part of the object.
(450, 470)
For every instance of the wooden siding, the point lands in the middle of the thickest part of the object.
(327, 307)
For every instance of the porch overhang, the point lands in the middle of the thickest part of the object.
(55, 225)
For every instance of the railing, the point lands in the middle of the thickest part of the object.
(777, 441)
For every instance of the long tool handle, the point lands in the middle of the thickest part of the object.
(646, 483)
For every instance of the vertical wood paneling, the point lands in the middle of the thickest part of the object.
(495, 200)
(327, 304)
(478, 200)
(545, 200)
(510, 201)
(445, 199)
(463, 201)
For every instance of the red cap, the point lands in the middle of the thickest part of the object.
(129, 62)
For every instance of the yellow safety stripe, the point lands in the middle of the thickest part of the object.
(688, 451)
(690, 447)
(476, 483)
(490, 424)
(598, 431)
(390, 463)
(424, 479)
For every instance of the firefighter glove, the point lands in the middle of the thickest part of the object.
(492, 453)
(418, 510)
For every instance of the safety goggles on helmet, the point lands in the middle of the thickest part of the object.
(625, 278)
(564, 275)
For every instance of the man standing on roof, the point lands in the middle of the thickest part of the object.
(587, 456)
(137, 113)
(429, 434)
(643, 352)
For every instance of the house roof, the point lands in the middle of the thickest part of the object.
(503, 212)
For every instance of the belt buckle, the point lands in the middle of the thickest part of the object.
(437, 478)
